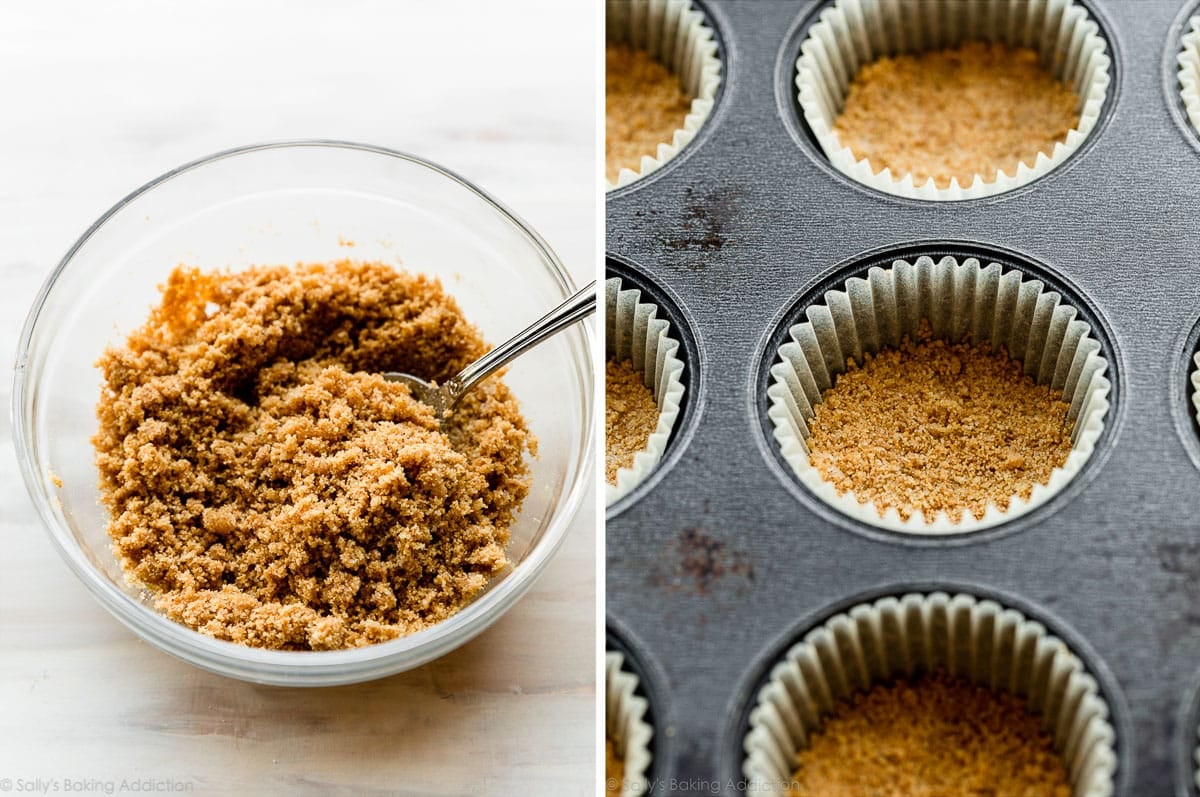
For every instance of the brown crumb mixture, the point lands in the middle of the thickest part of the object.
(935, 426)
(644, 104)
(630, 416)
(269, 487)
(979, 108)
(933, 737)
(614, 770)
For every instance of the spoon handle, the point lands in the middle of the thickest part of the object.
(578, 306)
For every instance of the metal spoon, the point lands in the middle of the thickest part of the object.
(443, 397)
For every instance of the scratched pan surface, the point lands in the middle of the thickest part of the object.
(721, 559)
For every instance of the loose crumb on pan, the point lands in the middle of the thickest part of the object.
(630, 416)
(936, 426)
(614, 770)
(269, 487)
(931, 737)
(644, 104)
(979, 108)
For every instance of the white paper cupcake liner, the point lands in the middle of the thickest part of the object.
(853, 33)
(625, 724)
(961, 301)
(1189, 72)
(675, 35)
(1195, 379)
(633, 332)
(915, 634)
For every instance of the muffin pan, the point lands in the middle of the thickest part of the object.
(721, 560)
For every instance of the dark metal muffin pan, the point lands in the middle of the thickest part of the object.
(720, 559)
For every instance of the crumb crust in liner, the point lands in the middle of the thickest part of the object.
(852, 33)
(959, 300)
(625, 724)
(675, 34)
(903, 636)
(634, 332)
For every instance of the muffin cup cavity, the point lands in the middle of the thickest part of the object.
(1189, 72)
(676, 35)
(852, 33)
(625, 724)
(915, 634)
(961, 301)
(634, 332)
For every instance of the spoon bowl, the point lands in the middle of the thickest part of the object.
(442, 398)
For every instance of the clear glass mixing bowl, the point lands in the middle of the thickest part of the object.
(286, 203)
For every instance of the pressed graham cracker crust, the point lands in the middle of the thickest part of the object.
(630, 416)
(644, 104)
(269, 487)
(932, 737)
(936, 426)
(978, 108)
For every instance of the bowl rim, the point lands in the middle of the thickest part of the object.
(308, 668)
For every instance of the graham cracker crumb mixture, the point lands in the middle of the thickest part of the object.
(269, 487)
(614, 770)
(936, 426)
(630, 416)
(933, 737)
(644, 104)
(976, 109)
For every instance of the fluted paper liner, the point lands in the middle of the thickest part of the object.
(1189, 72)
(634, 332)
(625, 723)
(907, 636)
(674, 34)
(1196, 385)
(853, 33)
(961, 301)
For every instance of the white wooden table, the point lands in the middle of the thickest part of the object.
(96, 99)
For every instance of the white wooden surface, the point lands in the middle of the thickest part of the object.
(97, 98)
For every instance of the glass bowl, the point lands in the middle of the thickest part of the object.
(286, 203)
